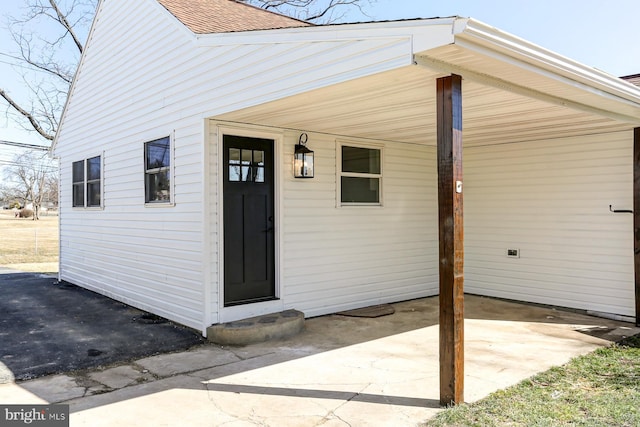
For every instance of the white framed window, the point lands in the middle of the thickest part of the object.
(86, 177)
(157, 171)
(360, 175)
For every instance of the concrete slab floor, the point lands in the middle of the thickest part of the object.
(339, 371)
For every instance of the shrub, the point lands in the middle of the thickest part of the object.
(25, 213)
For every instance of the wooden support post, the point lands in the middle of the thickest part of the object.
(450, 219)
(636, 217)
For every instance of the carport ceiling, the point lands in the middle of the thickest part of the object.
(399, 105)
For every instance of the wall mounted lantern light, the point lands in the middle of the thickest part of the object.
(302, 159)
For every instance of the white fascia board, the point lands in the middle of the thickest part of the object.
(485, 39)
(425, 33)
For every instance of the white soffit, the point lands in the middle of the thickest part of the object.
(505, 98)
(400, 105)
(491, 57)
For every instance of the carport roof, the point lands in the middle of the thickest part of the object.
(524, 90)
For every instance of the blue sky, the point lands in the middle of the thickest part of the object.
(602, 34)
(599, 33)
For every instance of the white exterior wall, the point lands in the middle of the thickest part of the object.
(334, 258)
(337, 258)
(144, 76)
(550, 199)
(158, 78)
(148, 257)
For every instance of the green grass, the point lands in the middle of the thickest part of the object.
(601, 388)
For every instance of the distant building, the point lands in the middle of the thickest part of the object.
(634, 78)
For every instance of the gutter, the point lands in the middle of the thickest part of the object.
(480, 37)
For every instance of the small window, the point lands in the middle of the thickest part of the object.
(157, 171)
(94, 185)
(86, 179)
(78, 184)
(360, 175)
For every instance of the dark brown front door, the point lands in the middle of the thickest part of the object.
(248, 220)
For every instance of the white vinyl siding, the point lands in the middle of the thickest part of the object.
(545, 198)
(550, 199)
(161, 259)
(149, 258)
(337, 258)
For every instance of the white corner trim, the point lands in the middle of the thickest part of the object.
(227, 314)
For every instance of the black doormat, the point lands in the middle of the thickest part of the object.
(371, 311)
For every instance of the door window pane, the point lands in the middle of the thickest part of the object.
(246, 157)
(258, 158)
(234, 164)
(246, 165)
(245, 173)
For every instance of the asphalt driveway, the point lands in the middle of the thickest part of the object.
(49, 327)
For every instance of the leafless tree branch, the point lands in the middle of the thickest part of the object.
(47, 46)
(318, 11)
(32, 119)
(62, 19)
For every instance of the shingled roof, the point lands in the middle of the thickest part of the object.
(224, 16)
(634, 79)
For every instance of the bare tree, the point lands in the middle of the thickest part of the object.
(317, 11)
(32, 178)
(47, 47)
(49, 41)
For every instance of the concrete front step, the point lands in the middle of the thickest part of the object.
(257, 329)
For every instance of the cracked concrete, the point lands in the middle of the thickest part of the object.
(338, 372)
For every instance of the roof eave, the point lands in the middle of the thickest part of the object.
(476, 35)
(327, 32)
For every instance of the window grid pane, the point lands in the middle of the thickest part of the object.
(93, 168)
(157, 154)
(360, 160)
(93, 194)
(360, 190)
(78, 172)
(157, 171)
(158, 187)
(78, 195)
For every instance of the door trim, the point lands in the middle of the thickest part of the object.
(229, 314)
